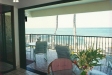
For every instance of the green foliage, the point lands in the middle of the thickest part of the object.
(73, 57)
(89, 58)
(83, 72)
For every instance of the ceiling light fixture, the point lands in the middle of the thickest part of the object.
(15, 0)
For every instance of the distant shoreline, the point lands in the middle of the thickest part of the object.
(105, 32)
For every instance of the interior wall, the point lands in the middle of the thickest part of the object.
(81, 8)
(8, 2)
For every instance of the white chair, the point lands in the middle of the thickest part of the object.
(41, 47)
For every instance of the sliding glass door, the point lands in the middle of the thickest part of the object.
(7, 62)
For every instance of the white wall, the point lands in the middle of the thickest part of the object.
(16, 37)
(9, 2)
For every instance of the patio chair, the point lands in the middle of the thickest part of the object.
(41, 47)
(62, 51)
(60, 66)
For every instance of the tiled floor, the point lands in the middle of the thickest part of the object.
(20, 72)
(42, 65)
(5, 66)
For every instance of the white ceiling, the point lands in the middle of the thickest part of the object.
(63, 4)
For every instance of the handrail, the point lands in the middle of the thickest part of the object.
(81, 42)
(72, 35)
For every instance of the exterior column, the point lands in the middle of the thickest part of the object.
(74, 31)
(53, 37)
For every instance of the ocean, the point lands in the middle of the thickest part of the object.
(106, 32)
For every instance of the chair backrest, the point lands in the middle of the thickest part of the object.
(63, 51)
(61, 66)
(41, 47)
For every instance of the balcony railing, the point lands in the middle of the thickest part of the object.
(75, 42)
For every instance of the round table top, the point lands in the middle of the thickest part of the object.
(34, 43)
(96, 72)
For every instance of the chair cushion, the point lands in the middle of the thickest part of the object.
(62, 51)
(41, 47)
(61, 64)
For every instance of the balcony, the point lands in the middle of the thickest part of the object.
(75, 43)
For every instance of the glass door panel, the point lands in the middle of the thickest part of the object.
(7, 62)
(8, 34)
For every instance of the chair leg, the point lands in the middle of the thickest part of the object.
(100, 67)
(35, 57)
(45, 56)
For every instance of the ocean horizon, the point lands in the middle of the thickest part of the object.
(107, 31)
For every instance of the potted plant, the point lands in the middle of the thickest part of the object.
(89, 58)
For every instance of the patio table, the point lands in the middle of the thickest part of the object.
(96, 72)
(32, 45)
(77, 71)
